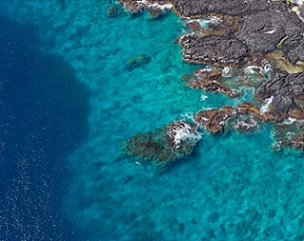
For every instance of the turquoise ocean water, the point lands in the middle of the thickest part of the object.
(233, 187)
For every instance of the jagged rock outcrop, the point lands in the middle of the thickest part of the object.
(213, 49)
(267, 31)
(196, 8)
(287, 93)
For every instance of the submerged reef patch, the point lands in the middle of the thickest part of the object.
(137, 61)
(257, 44)
(165, 145)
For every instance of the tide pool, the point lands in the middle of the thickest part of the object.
(233, 187)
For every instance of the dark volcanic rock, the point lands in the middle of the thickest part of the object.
(263, 31)
(190, 8)
(287, 91)
(213, 49)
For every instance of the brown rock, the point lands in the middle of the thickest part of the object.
(248, 108)
(297, 142)
(209, 80)
(213, 120)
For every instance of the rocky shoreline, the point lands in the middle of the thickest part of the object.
(242, 38)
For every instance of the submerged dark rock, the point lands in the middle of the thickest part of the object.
(112, 12)
(137, 61)
(165, 145)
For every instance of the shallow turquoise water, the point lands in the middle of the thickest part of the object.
(234, 187)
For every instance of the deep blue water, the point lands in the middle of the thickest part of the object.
(43, 114)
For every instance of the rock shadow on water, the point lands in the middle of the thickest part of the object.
(44, 111)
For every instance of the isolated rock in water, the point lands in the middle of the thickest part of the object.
(164, 145)
(112, 12)
(213, 49)
(137, 61)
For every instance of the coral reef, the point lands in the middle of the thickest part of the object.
(289, 133)
(164, 145)
(137, 61)
(112, 12)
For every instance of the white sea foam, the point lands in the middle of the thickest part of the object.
(184, 132)
(290, 121)
(213, 20)
(251, 124)
(205, 22)
(162, 7)
(266, 67)
(203, 97)
(188, 116)
(144, 4)
(261, 70)
(252, 69)
(265, 107)
(226, 72)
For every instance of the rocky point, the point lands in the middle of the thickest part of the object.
(261, 38)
